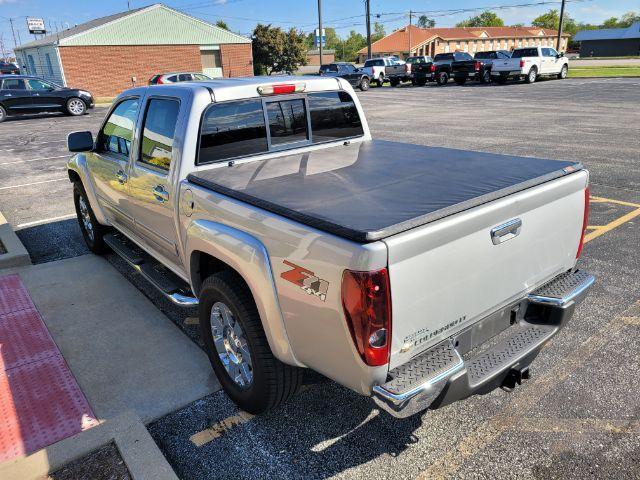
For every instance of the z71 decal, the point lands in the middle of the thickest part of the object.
(306, 280)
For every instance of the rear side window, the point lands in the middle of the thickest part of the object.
(13, 84)
(159, 131)
(233, 129)
(333, 116)
(117, 132)
(525, 52)
(287, 121)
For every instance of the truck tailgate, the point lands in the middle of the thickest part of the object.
(448, 274)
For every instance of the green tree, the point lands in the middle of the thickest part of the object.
(295, 51)
(332, 40)
(625, 21)
(268, 47)
(426, 22)
(222, 24)
(610, 23)
(551, 20)
(348, 50)
(378, 32)
(485, 19)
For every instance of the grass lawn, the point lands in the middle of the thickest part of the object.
(631, 71)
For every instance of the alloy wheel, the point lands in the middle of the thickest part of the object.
(76, 106)
(86, 217)
(231, 345)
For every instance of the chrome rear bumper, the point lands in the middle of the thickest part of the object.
(441, 375)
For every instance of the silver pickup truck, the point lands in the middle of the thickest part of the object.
(415, 275)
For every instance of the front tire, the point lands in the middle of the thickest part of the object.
(364, 84)
(532, 76)
(92, 231)
(442, 78)
(3, 114)
(76, 107)
(237, 347)
(563, 72)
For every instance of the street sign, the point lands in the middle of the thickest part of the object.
(36, 26)
(317, 38)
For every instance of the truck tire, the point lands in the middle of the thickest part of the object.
(364, 84)
(460, 80)
(394, 82)
(3, 114)
(380, 80)
(485, 77)
(532, 76)
(75, 106)
(92, 231)
(561, 76)
(442, 78)
(240, 355)
(502, 78)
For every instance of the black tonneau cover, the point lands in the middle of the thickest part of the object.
(371, 190)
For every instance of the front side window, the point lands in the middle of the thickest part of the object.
(232, 129)
(287, 121)
(553, 52)
(14, 84)
(117, 133)
(334, 116)
(159, 131)
(35, 84)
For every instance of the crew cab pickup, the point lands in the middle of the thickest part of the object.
(478, 68)
(416, 275)
(387, 69)
(530, 63)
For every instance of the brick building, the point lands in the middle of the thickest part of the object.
(111, 54)
(414, 40)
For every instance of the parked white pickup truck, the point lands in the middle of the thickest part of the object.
(530, 63)
(416, 275)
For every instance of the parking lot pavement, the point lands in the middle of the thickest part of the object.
(578, 415)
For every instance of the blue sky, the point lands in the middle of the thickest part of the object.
(242, 15)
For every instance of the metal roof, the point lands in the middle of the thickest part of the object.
(153, 25)
(632, 31)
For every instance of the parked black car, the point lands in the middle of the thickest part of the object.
(440, 70)
(21, 94)
(7, 68)
(349, 72)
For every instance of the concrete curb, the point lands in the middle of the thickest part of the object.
(16, 255)
(140, 453)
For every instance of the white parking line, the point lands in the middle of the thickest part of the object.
(33, 160)
(34, 183)
(46, 220)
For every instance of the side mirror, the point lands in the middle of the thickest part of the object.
(80, 142)
(560, 55)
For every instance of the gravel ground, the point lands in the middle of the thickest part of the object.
(103, 464)
(578, 415)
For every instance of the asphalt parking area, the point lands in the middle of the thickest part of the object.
(579, 414)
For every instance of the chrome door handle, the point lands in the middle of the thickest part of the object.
(506, 231)
(121, 177)
(7, 95)
(36, 94)
(160, 193)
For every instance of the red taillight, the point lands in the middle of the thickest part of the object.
(432, 68)
(366, 300)
(160, 82)
(281, 88)
(521, 63)
(585, 219)
(476, 66)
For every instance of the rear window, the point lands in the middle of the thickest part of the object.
(238, 129)
(485, 55)
(334, 116)
(444, 56)
(374, 63)
(329, 68)
(232, 129)
(416, 60)
(525, 52)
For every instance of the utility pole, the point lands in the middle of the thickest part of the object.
(410, 21)
(368, 14)
(559, 42)
(15, 44)
(4, 57)
(320, 27)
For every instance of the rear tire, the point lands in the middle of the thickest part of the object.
(364, 84)
(394, 82)
(460, 80)
(532, 76)
(92, 231)
(421, 82)
(485, 77)
(442, 78)
(271, 381)
(563, 72)
(3, 114)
